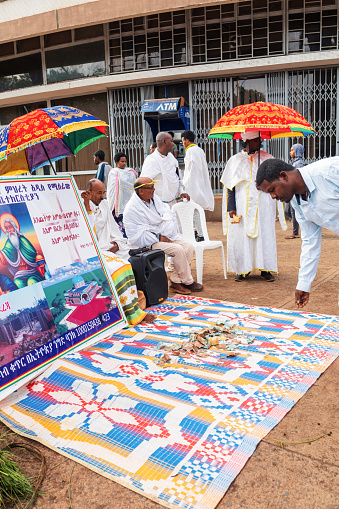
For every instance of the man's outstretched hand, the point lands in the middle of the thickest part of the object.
(301, 298)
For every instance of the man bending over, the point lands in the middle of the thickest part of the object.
(314, 194)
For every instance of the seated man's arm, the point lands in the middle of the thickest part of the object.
(138, 235)
(309, 258)
(148, 238)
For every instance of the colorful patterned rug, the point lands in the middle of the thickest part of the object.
(181, 433)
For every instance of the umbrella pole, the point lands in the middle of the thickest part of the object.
(259, 150)
(50, 162)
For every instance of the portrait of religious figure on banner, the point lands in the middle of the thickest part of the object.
(22, 262)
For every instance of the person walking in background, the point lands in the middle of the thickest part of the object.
(103, 167)
(175, 150)
(120, 188)
(251, 242)
(296, 153)
(196, 179)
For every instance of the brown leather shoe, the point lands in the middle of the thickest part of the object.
(179, 288)
(194, 287)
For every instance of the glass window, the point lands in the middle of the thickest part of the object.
(295, 33)
(139, 23)
(115, 55)
(6, 49)
(30, 44)
(198, 44)
(57, 38)
(227, 11)
(88, 32)
(21, 72)
(77, 62)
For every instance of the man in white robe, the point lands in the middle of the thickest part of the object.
(162, 167)
(150, 223)
(114, 248)
(251, 243)
(196, 180)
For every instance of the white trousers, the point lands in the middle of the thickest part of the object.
(181, 253)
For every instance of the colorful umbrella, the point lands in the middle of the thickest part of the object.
(46, 135)
(271, 120)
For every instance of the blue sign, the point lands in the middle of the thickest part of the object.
(160, 105)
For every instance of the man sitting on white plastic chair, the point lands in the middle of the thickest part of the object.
(150, 222)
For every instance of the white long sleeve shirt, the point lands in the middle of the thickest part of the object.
(320, 210)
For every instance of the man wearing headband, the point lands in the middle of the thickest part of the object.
(150, 223)
(114, 250)
(162, 167)
(251, 243)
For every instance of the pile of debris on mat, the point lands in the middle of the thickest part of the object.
(198, 343)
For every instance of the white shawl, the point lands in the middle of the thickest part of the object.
(163, 169)
(140, 220)
(120, 188)
(244, 167)
(106, 229)
(197, 181)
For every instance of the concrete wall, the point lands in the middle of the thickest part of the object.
(216, 214)
(18, 23)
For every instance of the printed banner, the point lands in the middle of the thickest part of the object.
(55, 293)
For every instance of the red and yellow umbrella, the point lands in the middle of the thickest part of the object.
(271, 120)
(46, 135)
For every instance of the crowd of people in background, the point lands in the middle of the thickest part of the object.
(137, 212)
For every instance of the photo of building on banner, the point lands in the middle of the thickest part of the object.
(55, 294)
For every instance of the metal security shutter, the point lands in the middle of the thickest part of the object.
(211, 98)
(126, 125)
(313, 93)
(276, 93)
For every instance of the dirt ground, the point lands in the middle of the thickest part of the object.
(299, 476)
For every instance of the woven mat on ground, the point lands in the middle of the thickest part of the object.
(178, 434)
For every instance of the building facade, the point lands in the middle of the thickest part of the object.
(215, 55)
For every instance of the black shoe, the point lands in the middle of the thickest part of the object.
(241, 277)
(267, 276)
(199, 239)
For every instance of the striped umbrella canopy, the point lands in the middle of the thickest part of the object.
(271, 120)
(44, 136)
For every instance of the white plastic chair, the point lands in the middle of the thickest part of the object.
(185, 212)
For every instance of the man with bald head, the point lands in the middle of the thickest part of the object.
(162, 167)
(114, 248)
(150, 223)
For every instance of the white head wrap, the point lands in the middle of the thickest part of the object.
(250, 135)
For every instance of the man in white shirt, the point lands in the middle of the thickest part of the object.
(314, 194)
(196, 180)
(114, 248)
(150, 223)
(103, 167)
(162, 167)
